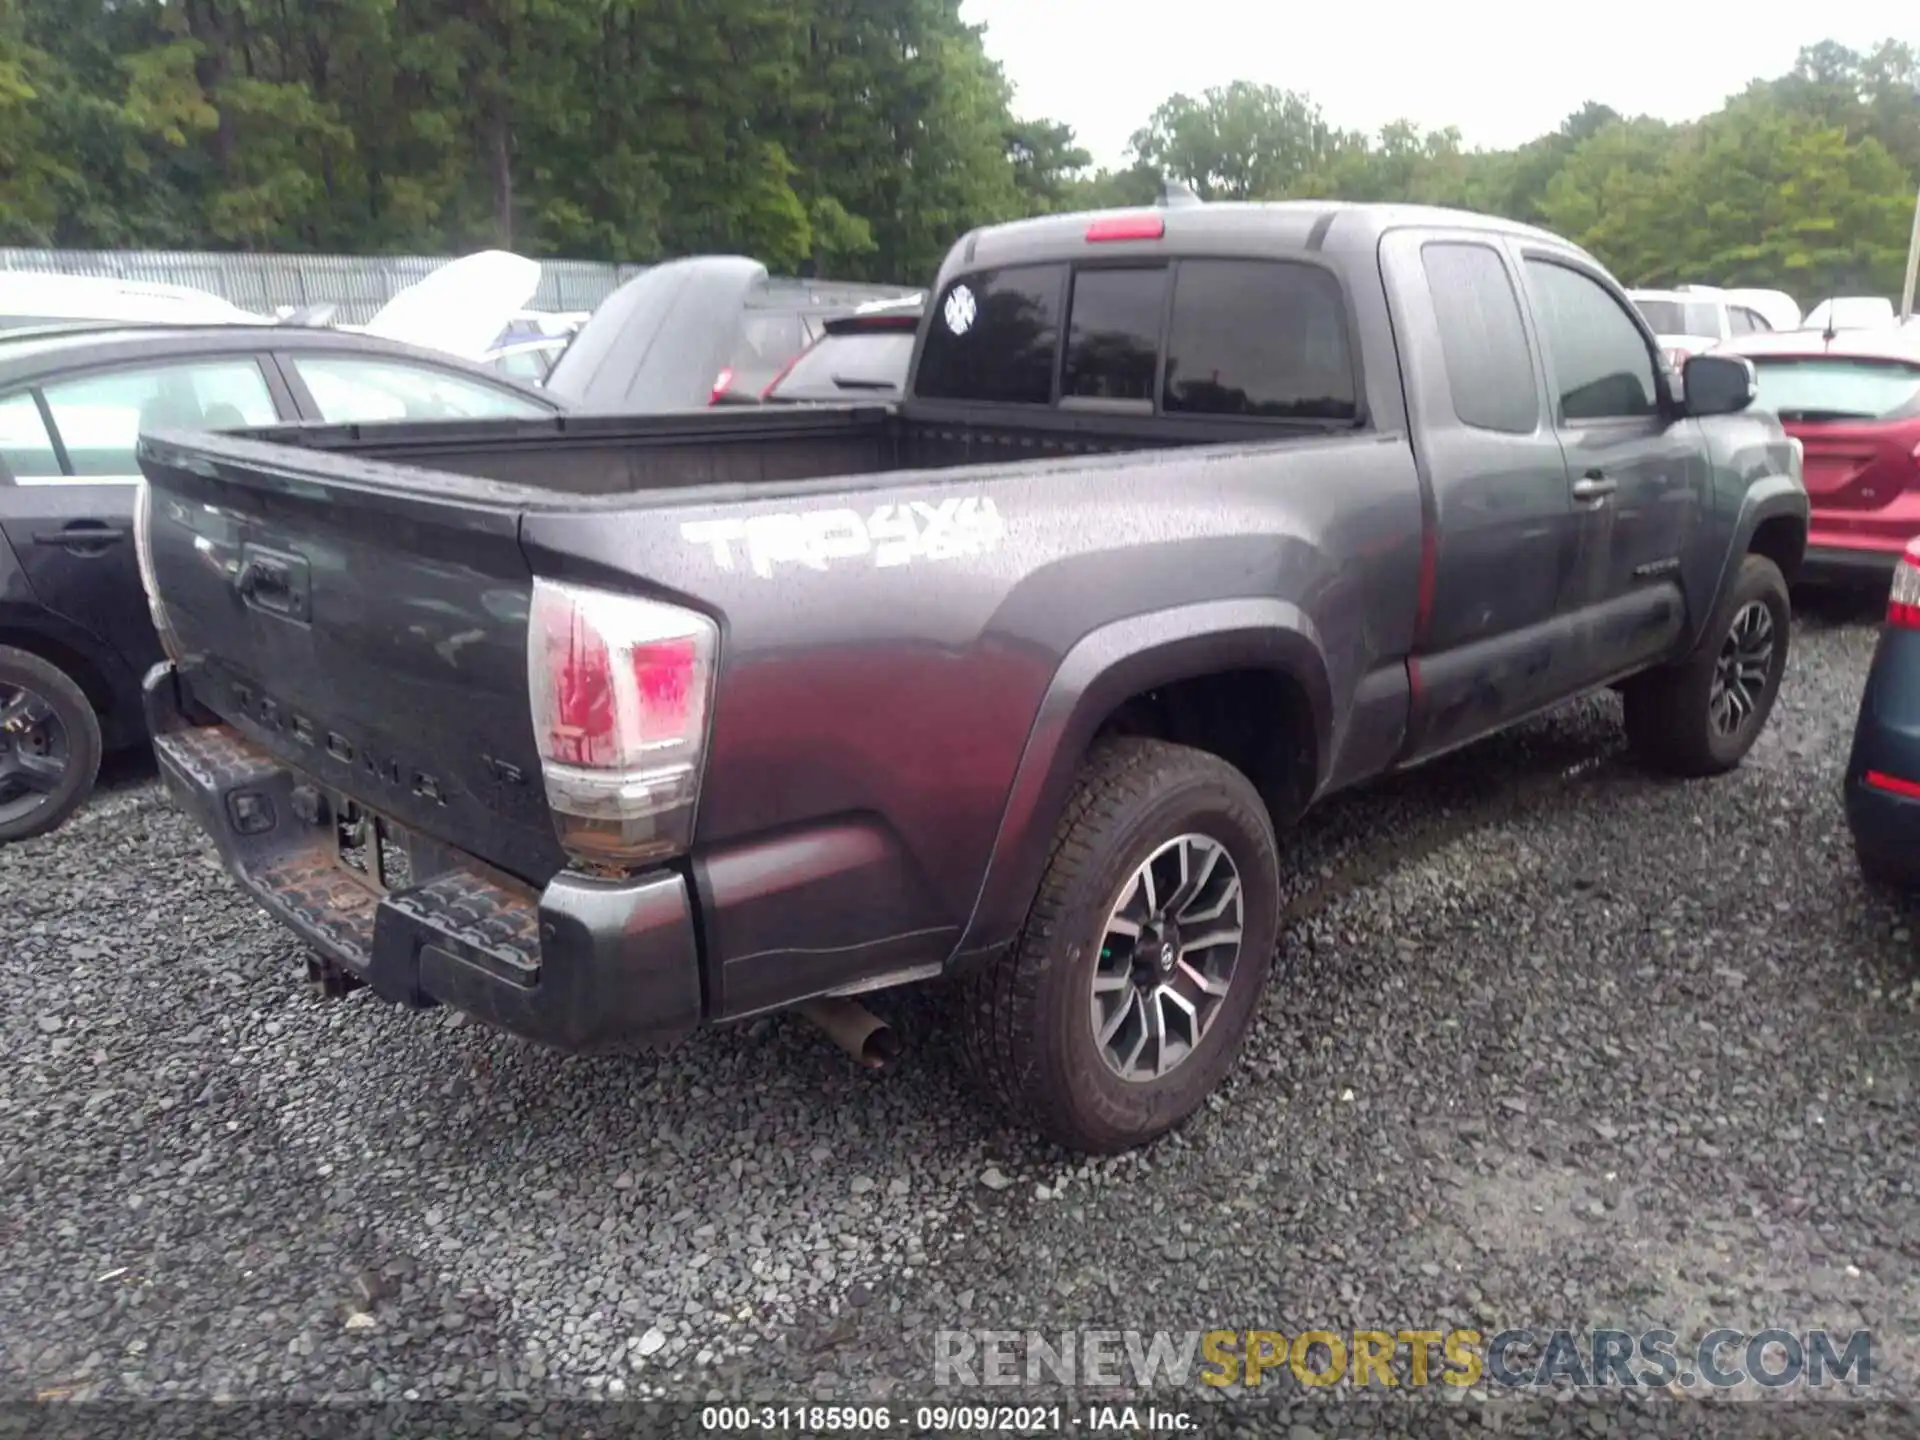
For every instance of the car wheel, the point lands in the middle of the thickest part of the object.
(49, 745)
(1701, 717)
(1133, 982)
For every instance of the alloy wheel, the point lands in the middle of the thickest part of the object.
(34, 751)
(1740, 673)
(1167, 957)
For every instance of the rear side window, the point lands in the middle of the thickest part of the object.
(1831, 388)
(101, 417)
(993, 337)
(849, 365)
(1113, 334)
(353, 389)
(1489, 369)
(1261, 338)
(26, 449)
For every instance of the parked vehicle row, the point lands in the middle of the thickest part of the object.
(604, 728)
(1690, 320)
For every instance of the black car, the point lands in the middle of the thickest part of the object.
(862, 356)
(1883, 770)
(75, 635)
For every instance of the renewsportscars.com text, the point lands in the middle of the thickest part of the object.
(1393, 1359)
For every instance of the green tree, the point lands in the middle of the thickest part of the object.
(1240, 142)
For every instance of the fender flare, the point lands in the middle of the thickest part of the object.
(1102, 670)
(1769, 498)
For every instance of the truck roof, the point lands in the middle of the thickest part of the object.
(1285, 225)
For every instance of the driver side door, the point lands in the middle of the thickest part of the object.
(1638, 477)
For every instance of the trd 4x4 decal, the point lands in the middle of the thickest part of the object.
(897, 534)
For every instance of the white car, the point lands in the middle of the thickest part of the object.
(32, 299)
(1693, 319)
(1852, 312)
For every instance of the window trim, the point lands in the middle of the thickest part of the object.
(60, 455)
(1662, 397)
(1176, 422)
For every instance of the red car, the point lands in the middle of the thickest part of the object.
(1852, 400)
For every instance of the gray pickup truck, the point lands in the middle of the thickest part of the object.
(603, 728)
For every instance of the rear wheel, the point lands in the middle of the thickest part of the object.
(1128, 993)
(49, 745)
(1700, 717)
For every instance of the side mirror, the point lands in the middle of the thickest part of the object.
(1717, 384)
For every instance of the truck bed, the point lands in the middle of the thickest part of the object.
(622, 455)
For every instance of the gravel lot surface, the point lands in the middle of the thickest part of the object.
(1559, 1045)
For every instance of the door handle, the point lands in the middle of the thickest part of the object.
(81, 535)
(1593, 486)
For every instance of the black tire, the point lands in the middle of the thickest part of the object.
(1027, 1024)
(1669, 720)
(68, 706)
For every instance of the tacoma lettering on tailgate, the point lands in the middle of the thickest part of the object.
(891, 535)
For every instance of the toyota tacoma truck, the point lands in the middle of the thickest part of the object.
(602, 728)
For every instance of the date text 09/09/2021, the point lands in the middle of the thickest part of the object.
(945, 1419)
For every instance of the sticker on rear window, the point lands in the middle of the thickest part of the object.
(961, 310)
(891, 535)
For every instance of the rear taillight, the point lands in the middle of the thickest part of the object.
(1903, 601)
(1677, 357)
(620, 690)
(722, 383)
(143, 556)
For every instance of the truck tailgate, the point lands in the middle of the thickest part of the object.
(367, 625)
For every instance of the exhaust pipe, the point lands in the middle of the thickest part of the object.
(854, 1028)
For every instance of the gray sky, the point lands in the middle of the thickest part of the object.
(1103, 65)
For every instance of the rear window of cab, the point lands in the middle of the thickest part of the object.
(1260, 339)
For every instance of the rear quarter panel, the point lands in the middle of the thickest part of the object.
(886, 691)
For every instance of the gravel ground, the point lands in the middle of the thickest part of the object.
(1559, 1045)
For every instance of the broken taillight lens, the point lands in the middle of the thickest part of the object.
(1903, 601)
(620, 688)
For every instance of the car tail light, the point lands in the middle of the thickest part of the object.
(1893, 784)
(722, 383)
(1677, 357)
(1903, 601)
(143, 556)
(620, 689)
(1127, 227)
